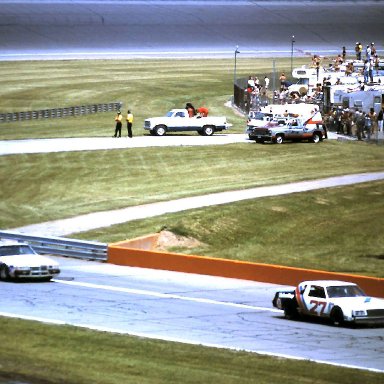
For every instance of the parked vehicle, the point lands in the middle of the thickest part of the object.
(178, 120)
(278, 114)
(339, 301)
(20, 261)
(286, 128)
(371, 97)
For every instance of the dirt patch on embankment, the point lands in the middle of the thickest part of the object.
(168, 240)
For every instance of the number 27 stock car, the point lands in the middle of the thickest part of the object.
(340, 302)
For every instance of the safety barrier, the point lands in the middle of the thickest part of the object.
(88, 250)
(140, 252)
(59, 112)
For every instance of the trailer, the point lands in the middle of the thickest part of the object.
(360, 100)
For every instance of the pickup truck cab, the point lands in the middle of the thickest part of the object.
(178, 120)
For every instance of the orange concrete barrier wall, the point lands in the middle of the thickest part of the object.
(131, 253)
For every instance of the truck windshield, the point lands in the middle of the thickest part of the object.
(345, 291)
(13, 250)
(257, 115)
(303, 81)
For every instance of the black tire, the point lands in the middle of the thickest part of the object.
(160, 130)
(316, 138)
(279, 139)
(4, 273)
(337, 316)
(208, 130)
(290, 311)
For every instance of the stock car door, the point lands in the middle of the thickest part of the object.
(315, 301)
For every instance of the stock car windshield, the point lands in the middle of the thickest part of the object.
(345, 291)
(10, 250)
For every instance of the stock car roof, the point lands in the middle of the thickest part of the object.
(327, 283)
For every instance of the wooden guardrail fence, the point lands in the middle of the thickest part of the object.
(59, 112)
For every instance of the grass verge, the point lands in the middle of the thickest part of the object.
(48, 354)
(335, 229)
(338, 230)
(147, 87)
(41, 187)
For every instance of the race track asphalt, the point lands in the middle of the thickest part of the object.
(127, 29)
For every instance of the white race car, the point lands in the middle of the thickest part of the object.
(20, 261)
(338, 301)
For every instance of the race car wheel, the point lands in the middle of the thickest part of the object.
(279, 139)
(208, 130)
(290, 311)
(316, 138)
(337, 316)
(4, 273)
(160, 130)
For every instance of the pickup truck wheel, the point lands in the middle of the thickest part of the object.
(208, 130)
(337, 316)
(160, 130)
(4, 273)
(279, 139)
(316, 137)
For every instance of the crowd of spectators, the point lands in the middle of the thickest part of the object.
(343, 121)
(354, 122)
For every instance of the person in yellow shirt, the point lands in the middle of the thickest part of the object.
(129, 123)
(118, 119)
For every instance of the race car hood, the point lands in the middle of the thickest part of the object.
(27, 261)
(360, 302)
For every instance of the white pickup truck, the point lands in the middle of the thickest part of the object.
(178, 120)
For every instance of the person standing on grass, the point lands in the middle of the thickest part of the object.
(283, 80)
(360, 125)
(373, 117)
(129, 122)
(118, 119)
(380, 118)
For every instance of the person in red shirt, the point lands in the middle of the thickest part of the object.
(202, 111)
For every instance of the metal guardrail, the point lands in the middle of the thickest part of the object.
(88, 250)
(59, 112)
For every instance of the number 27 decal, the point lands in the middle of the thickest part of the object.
(316, 305)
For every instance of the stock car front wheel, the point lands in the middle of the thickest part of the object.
(4, 273)
(337, 316)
